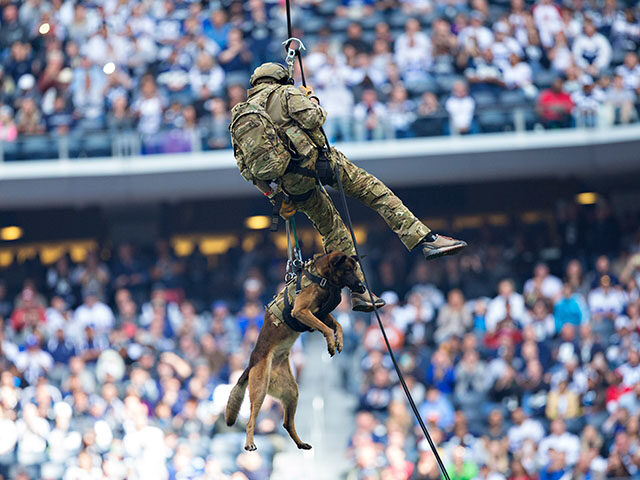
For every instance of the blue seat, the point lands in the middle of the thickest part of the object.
(445, 83)
(493, 121)
(37, 147)
(513, 97)
(10, 151)
(97, 145)
(484, 98)
(544, 78)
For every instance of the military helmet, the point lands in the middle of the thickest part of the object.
(270, 70)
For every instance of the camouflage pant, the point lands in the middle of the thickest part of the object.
(359, 184)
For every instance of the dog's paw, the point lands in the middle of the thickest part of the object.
(304, 446)
(339, 342)
(250, 447)
(331, 347)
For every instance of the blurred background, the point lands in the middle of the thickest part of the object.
(135, 263)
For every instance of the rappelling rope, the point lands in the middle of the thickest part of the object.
(347, 214)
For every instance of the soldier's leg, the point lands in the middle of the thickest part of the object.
(335, 237)
(360, 184)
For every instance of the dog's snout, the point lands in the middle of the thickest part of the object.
(360, 288)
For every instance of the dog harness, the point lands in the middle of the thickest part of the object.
(282, 305)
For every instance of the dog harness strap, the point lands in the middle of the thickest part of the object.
(293, 323)
(323, 282)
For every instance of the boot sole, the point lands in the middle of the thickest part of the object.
(364, 307)
(445, 251)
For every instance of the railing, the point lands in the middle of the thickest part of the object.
(100, 143)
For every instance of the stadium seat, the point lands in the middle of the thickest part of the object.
(38, 147)
(484, 98)
(340, 24)
(313, 25)
(513, 97)
(96, 144)
(544, 78)
(445, 83)
(492, 121)
(10, 151)
(398, 19)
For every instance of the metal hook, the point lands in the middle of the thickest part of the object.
(291, 52)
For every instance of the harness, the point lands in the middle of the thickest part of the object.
(282, 305)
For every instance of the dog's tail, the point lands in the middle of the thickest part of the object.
(235, 398)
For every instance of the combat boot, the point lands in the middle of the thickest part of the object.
(435, 246)
(360, 302)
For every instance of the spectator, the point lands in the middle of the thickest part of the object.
(630, 71)
(497, 308)
(413, 52)
(8, 128)
(555, 106)
(461, 108)
(548, 21)
(622, 100)
(454, 318)
(592, 50)
(29, 120)
(400, 112)
(370, 117)
(587, 103)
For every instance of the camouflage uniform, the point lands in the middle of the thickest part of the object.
(289, 108)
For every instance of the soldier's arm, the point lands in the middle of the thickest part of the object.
(307, 112)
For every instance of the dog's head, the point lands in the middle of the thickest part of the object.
(340, 269)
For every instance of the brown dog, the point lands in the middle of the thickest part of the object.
(269, 370)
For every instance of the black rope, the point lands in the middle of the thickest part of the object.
(290, 35)
(347, 214)
(412, 403)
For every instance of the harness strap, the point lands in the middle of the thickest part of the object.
(327, 306)
(292, 322)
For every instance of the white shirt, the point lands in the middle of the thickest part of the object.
(99, 317)
(595, 50)
(461, 111)
(33, 364)
(529, 430)
(413, 52)
(551, 286)
(630, 76)
(601, 302)
(567, 443)
(549, 22)
(502, 50)
(497, 310)
(483, 36)
(518, 75)
(630, 374)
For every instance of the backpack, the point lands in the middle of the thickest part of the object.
(259, 151)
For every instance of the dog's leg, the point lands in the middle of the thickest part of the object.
(284, 387)
(309, 319)
(258, 384)
(333, 324)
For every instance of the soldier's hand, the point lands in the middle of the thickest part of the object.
(287, 209)
(307, 91)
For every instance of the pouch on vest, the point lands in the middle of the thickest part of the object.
(260, 153)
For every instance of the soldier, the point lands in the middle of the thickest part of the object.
(298, 118)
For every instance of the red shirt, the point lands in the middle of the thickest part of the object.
(555, 105)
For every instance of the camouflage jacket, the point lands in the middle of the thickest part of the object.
(297, 117)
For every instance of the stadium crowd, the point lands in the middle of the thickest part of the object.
(383, 69)
(120, 368)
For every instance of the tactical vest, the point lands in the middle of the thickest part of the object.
(257, 142)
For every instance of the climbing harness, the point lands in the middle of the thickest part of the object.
(347, 216)
(301, 276)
